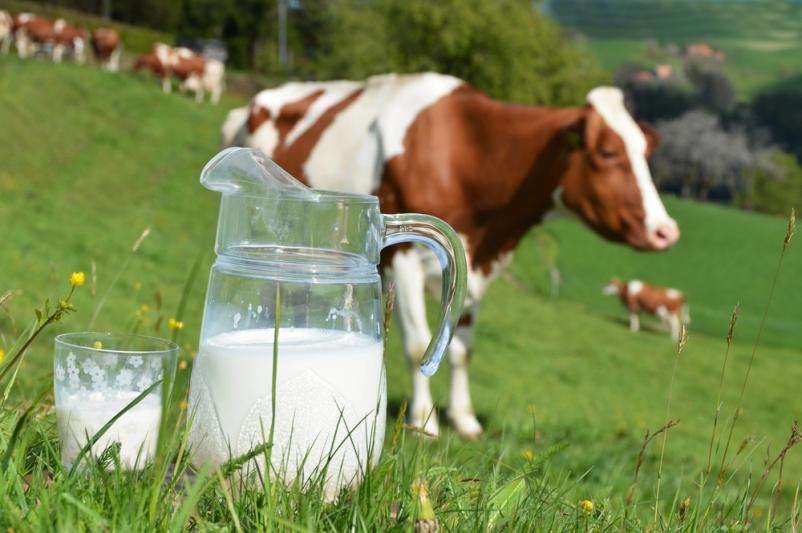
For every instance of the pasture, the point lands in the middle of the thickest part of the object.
(89, 160)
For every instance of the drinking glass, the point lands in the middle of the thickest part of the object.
(96, 375)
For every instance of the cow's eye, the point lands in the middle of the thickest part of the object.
(608, 154)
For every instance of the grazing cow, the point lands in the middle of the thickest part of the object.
(430, 143)
(70, 39)
(6, 31)
(194, 72)
(33, 33)
(669, 305)
(107, 48)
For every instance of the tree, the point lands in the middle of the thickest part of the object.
(697, 158)
(503, 47)
(713, 90)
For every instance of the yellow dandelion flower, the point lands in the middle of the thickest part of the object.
(586, 505)
(2, 355)
(144, 308)
(183, 405)
(175, 324)
(527, 455)
(98, 345)
(182, 364)
(77, 279)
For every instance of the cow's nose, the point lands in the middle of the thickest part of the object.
(664, 235)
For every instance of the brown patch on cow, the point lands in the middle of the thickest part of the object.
(257, 116)
(291, 113)
(151, 63)
(293, 157)
(185, 66)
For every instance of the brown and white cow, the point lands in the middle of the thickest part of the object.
(194, 72)
(6, 31)
(669, 305)
(430, 143)
(107, 48)
(33, 33)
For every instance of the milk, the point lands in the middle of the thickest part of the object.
(137, 431)
(328, 383)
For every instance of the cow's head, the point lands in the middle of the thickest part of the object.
(614, 288)
(608, 182)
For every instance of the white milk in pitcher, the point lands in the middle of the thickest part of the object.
(330, 401)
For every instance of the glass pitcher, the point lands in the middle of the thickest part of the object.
(297, 268)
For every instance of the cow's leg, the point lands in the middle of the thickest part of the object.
(634, 321)
(114, 61)
(199, 95)
(410, 310)
(167, 85)
(58, 53)
(6, 44)
(674, 324)
(460, 409)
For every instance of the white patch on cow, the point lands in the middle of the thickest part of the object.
(335, 93)
(265, 138)
(611, 290)
(673, 293)
(59, 25)
(411, 95)
(163, 53)
(609, 103)
(350, 154)
(634, 287)
(662, 312)
(234, 131)
(25, 17)
(214, 74)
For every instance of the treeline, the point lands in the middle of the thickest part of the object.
(504, 47)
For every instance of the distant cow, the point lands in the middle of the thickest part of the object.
(6, 31)
(33, 33)
(669, 305)
(194, 72)
(107, 48)
(430, 143)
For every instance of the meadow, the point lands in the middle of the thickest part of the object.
(564, 390)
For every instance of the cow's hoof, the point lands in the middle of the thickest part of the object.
(425, 422)
(467, 426)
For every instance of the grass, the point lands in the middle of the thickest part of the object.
(761, 38)
(564, 390)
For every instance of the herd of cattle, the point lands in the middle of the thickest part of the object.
(431, 143)
(36, 35)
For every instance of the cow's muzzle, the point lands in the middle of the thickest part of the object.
(664, 235)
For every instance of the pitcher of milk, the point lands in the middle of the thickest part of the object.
(298, 268)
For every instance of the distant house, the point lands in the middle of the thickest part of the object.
(208, 48)
(660, 72)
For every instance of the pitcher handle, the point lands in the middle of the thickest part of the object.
(447, 246)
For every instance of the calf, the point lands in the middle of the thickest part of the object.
(430, 143)
(69, 39)
(107, 48)
(669, 305)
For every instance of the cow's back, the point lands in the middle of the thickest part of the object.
(348, 130)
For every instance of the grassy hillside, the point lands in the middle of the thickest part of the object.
(91, 159)
(762, 38)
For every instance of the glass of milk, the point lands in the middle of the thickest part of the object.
(96, 375)
(292, 345)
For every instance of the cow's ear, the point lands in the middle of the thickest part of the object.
(574, 134)
(652, 137)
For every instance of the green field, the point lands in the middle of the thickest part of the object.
(762, 39)
(88, 160)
